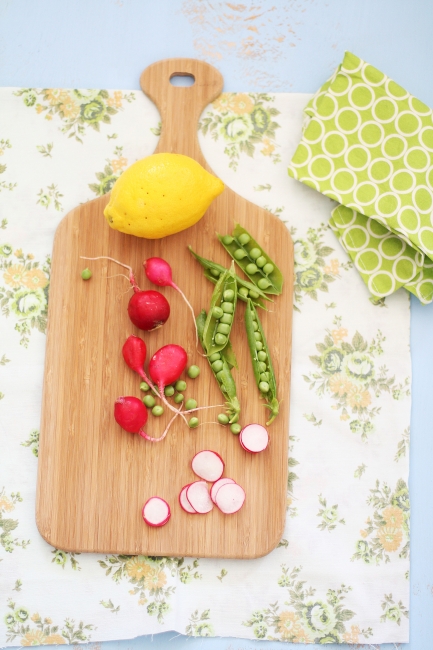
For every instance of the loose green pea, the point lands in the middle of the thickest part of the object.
(255, 326)
(223, 328)
(144, 387)
(229, 295)
(243, 291)
(226, 319)
(214, 357)
(215, 273)
(261, 261)
(244, 238)
(227, 240)
(193, 372)
(253, 294)
(264, 376)
(264, 387)
(259, 345)
(255, 253)
(169, 391)
(251, 269)
(157, 410)
(263, 283)
(217, 365)
(217, 312)
(268, 268)
(239, 254)
(222, 418)
(257, 336)
(86, 274)
(227, 307)
(178, 398)
(149, 401)
(190, 404)
(262, 366)
(180, 385)
(261, 355)
(236, 428)
(193, 423)
(220, 339)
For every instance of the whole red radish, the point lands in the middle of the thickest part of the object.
(134, 352)
(130, 413)
(167, 365)
(148, 310)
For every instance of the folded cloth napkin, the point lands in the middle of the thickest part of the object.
(368, 144)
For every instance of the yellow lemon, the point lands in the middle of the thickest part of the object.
(161, 195)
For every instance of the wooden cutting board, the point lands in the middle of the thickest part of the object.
(93, 478)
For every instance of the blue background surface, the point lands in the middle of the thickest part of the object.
(107, 44)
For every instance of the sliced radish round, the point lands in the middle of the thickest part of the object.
(208, 465)
(216, 486)
(198, 496)
(230, 498)
(254, 438)
(156, 512)
(183, 501)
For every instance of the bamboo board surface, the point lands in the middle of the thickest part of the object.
(93, 478)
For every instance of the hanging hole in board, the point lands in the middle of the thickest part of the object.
(182, 79)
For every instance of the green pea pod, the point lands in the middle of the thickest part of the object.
(217, 329)
(265, 379)
(213, 272)
(246, 252)
(224, 376)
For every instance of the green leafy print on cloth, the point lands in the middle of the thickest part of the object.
(111, 173)
(7, 525)
(329, 515)
(388, 530)
(77, 109)
(349, 373)
(392, 611)
(5, 185)
(35, 630)
(3, 361)
(244, 121)
(306, 618)
(199, 624)
(61, 558)
(25, 290)
(32, 442)
(50, 197)
(149, 577)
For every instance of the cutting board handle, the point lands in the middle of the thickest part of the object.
(181, 106)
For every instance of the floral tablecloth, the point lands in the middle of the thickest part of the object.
(340, 572)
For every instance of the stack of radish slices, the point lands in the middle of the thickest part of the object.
(225, 493)
(254, 438)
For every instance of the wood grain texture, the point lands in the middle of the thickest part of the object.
(93, 478)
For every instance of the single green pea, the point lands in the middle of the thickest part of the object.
(261, 355)
(86, 274)
(264, 387)
(217, 365)
(193, 372)
(180, 385)
(244, 238)
(227, 307)
(219, 375)
(255, 326)
(215, 273)
(268, 268)
(262, 366)
(220, 339)
(178, 398)
(236, 428)
(261, 261)
(243, 291)
(253, 294)
(229, 295)
(149, 401)
(144, 387)
(227, 240)
(226, 319)
(255, 253)
(223, 328)
(193, 423)
(264, 376)
(251, 269)
(169, 391)
(217, 312)
(259, 345)
(253, 316)
(222, 418)
(157, 410)
(263, 283)
(214, 357)
(190, 404)
(239, 254)
(257, 336)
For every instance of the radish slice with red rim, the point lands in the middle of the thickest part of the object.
(230, 498)
(198, 497)
(208, 465)
(156, 512)
(216, 486)
(254, 438)
(184, 503)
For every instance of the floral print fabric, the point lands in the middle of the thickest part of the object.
(340, 572)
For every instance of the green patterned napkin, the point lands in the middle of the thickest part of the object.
(369, 145)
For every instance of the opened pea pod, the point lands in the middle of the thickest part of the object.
(220, 317)
(252, 259)
(261, 359)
